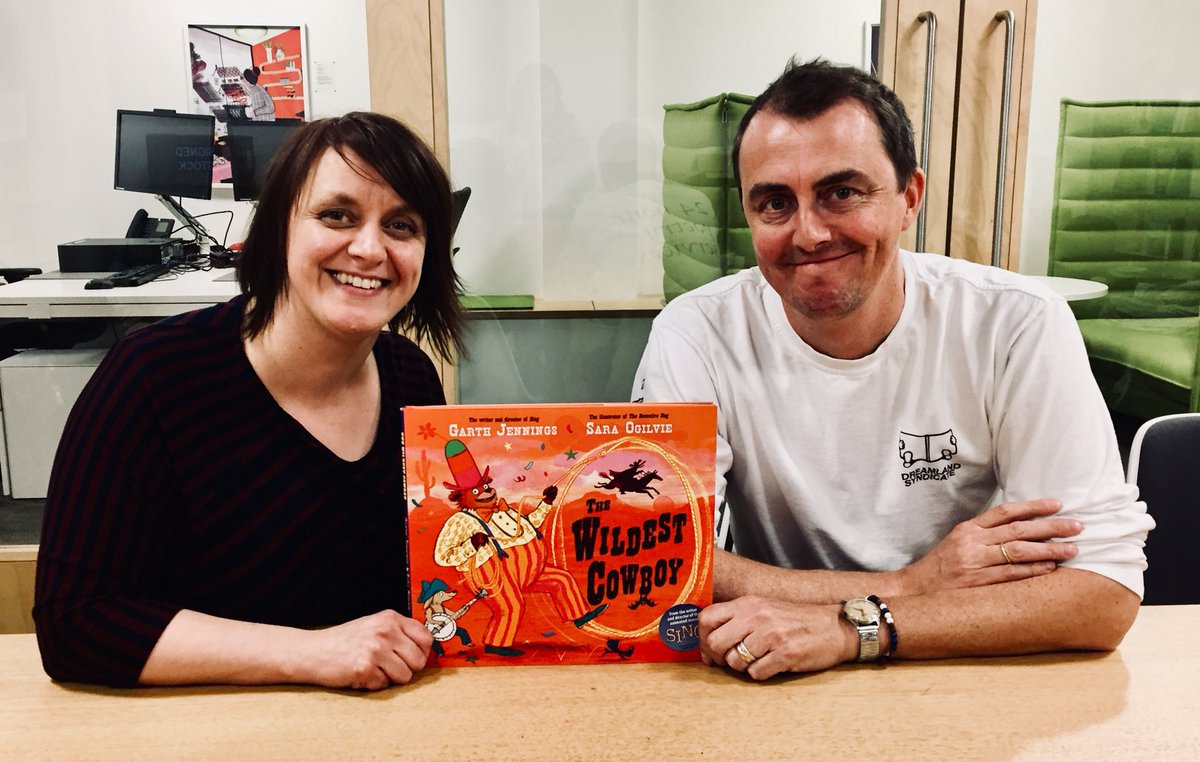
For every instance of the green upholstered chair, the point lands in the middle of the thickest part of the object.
(1127, 213)
(705, 234)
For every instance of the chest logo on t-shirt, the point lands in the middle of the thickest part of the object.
(928, 448)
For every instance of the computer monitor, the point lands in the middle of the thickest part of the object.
(251, 147)
(164, 153)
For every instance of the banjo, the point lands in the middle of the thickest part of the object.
(442, 625)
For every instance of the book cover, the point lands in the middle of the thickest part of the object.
(560, 533)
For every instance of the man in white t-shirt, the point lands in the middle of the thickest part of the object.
(914, 460)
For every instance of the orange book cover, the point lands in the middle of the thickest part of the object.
(568, 533)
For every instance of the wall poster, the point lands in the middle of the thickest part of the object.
(245, 73)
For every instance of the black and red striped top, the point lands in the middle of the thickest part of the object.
(180, 483)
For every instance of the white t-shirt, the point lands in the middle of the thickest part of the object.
(981, 394)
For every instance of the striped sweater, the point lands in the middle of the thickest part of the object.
(180, 483)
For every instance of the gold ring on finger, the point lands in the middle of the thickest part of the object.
(744, 652)
(1004, 552)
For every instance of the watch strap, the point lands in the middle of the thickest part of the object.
(868, 642)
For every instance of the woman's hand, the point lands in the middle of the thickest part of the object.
(369, 653)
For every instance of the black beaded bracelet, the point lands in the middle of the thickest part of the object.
(893, 636)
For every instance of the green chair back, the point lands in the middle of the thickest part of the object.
(1127, 213)
(705, 234)
(1127, 206)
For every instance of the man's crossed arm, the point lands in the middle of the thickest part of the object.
(992, 586)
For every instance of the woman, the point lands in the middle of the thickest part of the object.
(227, 503)
(259, 101)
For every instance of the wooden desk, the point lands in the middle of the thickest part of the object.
(67, 298)
(1140, 702)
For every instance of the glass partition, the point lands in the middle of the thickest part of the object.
(556, 122)
(558, 110)
(542, 357)
(594, 136)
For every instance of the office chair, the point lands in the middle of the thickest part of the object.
(14, 274)
(1164, 463)
(1125, 200)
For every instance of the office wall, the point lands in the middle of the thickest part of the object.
(1099, 50)
(66, 66)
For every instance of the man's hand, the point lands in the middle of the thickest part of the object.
(369, 653)
(1005, 543)
(782, 636)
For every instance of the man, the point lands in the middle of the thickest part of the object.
(873, 403)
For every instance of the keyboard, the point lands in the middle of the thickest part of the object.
(134, 276)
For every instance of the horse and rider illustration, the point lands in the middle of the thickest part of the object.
(631, 479)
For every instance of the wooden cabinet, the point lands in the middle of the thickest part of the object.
(983, 52)
(17, 566)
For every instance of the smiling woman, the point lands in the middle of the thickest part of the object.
(380, 154)
(355, 250)
(246, 529)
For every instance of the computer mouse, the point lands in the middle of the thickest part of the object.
(95, 283)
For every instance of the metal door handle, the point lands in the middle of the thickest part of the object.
(930, 50)
(1002, 154)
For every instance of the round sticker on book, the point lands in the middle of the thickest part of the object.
(679, 627)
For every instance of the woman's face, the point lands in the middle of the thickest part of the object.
(355, 250)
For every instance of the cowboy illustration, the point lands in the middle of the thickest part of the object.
(501, 551)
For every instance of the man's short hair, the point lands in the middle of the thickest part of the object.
(807, 90)
(409, 167)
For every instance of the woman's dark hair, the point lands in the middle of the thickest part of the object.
(406, 164)
(805, 91)
(251, 75)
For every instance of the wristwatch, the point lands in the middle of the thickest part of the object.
(864, 615)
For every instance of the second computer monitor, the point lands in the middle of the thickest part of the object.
(251, 147)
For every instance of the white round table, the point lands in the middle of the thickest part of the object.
(1072, 289)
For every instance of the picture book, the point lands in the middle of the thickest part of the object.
(560, 533)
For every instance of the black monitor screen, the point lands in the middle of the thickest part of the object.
(251, 147)
(165, 153)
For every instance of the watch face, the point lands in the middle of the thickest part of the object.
(861, 611)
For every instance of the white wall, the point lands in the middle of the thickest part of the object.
(556, 112)
(1099, 50)
(66, 66)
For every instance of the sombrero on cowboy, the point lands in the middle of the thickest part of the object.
(462, 467)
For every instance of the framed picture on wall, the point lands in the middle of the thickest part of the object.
(241, 73)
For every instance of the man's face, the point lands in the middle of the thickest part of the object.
(825, 214)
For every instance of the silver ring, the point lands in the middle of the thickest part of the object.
(1004, 551)
(744, 652)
